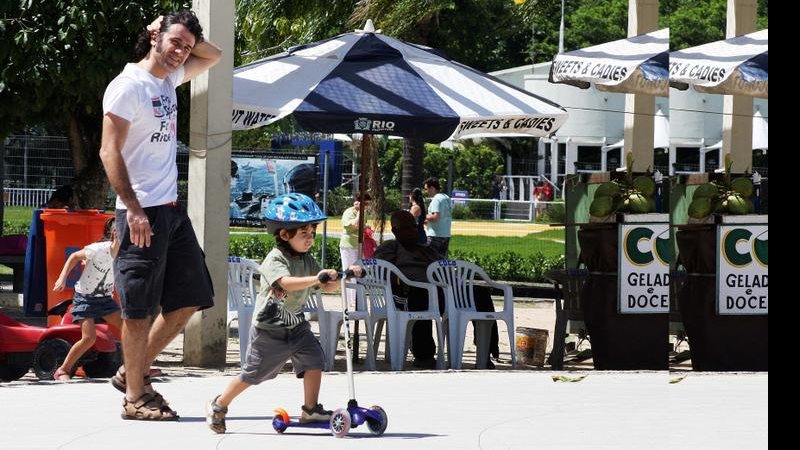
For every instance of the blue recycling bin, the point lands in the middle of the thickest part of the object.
(34, 293)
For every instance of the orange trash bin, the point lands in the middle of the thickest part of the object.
(66, 232)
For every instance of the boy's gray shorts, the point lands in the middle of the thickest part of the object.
(270, 349)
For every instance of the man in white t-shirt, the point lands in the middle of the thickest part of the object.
(160, 266)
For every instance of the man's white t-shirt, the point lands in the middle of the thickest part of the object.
(151, 106)
(97, 279)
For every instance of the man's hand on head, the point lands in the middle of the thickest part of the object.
(155, 27)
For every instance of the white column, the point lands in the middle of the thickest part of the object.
(640, 109)
(737, 110)
(540, 151)
(673, 158)
(703, 160)
(206, 336)
(572, 156)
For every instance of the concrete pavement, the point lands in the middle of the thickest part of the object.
(426, 410)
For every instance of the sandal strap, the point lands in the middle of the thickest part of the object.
(146, 407)
(122, 377)
(120, 383)
(217, 408)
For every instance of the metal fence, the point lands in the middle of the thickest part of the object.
(37, 162)
(531, 210)
(26, 197)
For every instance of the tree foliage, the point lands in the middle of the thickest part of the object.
(487, 35)
(266, 27)
(593, 22)
(58, 56)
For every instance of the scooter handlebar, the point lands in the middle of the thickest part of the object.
(324, 277)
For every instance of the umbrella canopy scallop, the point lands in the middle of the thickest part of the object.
(636, 65)
(736, 66)
(365, 82)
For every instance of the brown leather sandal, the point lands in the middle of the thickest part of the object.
(147, 407)
(120, 383)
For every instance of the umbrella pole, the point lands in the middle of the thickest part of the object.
(325, 206)
(362, 188)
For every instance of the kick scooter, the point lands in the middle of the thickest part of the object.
(343, 418)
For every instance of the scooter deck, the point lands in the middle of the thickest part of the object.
(341, 421)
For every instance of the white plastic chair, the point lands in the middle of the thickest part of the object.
(330, 327)
(242, 292)
(314, 310)
(377, 288)
(457, 278)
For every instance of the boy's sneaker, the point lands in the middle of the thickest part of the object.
(315, 414)
(215, 416)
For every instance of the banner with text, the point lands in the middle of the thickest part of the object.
(644, 257)
(742, 280)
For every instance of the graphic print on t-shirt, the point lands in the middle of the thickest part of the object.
(164, 109)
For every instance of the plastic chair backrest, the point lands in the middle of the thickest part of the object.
(459, 276)
(314, 305)
(377, 285)
(242, 293)
(570, 283)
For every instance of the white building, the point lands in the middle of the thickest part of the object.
(688, 128)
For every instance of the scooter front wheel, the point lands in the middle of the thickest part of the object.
(377, 427)
(340, 423)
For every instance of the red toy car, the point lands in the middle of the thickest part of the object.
(44, 349)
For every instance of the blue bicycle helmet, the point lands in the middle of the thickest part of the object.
(290, 211)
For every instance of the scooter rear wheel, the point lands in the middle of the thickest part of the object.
(280, 420)
(340, 423)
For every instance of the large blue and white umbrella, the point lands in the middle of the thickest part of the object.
(365, 82)
(736, 66)
(636, 65)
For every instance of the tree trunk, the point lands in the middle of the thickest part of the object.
(90, 184)
(413, 153)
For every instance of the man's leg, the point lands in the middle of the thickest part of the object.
(423, 347)
(436, 245)
(134, 344)
(164, 330)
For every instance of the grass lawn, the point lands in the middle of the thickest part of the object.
(17, 214)
(550, 244)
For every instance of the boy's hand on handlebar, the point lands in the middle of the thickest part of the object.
(326, 276)
(356, 271)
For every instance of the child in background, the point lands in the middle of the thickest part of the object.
(93, 292)
(369, 242)
(280, 330)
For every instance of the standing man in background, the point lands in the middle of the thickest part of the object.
(160, 266)
(439, 217)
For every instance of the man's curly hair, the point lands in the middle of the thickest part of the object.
(186, 18)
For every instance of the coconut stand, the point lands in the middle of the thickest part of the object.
(623, 292)
(721, 270)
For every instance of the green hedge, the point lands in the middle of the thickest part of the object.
(506, 266)
(511, 266)
(256, 247)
